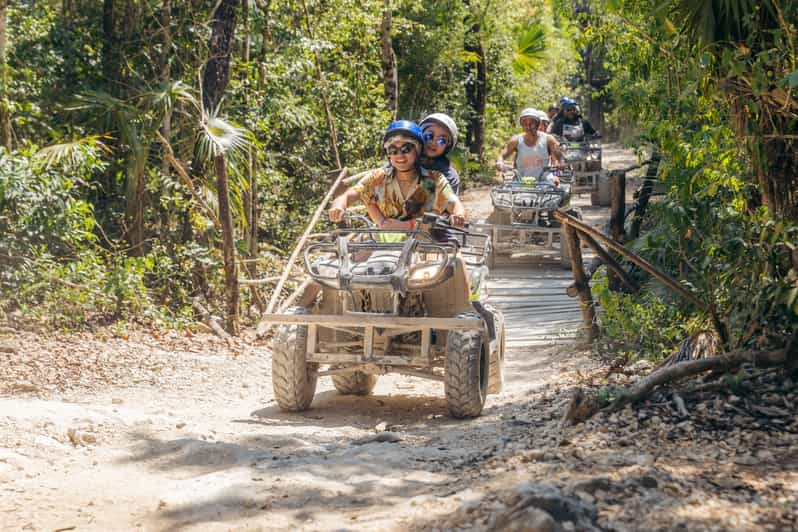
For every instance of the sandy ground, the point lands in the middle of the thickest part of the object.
(176, 431)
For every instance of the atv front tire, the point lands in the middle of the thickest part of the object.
(467, 368)
(293, 377)
(355, 383)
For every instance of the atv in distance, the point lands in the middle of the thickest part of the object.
(408, 302)
(584, 155)
(523, 215)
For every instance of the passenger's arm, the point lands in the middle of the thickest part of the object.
(457, 211)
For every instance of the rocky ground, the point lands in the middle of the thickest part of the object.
(179, 432)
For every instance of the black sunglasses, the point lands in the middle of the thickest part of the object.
(403, 149)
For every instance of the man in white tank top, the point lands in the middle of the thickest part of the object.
(533, 150)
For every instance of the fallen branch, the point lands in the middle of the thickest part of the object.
(212, 323)
(584, 405)
(255, 282)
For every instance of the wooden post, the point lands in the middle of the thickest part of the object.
(583, 285)
(617, 211)
(644, 196)
(573, 223)
(606, 258)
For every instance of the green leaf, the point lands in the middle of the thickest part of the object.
(792, 79)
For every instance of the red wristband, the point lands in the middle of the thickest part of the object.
(412, 225)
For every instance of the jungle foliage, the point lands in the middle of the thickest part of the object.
(711, 86)
(108, 204)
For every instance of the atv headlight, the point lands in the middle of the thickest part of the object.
(424, 273)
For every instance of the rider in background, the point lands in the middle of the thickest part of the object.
(569, 124)
(440, 136)
(396, 194)
(534, 150)
(553, 111)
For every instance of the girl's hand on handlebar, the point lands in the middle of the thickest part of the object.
(336, 214)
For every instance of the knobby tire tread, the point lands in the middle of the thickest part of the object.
(293, 389)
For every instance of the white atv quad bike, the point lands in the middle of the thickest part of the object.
(583, 153)
(523, 215)
(403, 305)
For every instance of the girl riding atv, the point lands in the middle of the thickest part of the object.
(397, 194)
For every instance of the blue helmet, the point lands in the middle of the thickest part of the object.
(407, 128)
(566, 102)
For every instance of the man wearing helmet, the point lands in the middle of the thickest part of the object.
(440, 136)
(570, 124)
(533, 150)
(396, 194)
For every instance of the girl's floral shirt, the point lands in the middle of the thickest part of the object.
(431, 193)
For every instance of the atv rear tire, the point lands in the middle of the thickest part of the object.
(355, 383)
(467, 369)
(293, 378)
(496, 372)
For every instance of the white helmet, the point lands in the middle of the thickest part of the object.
(542, 116)
(529, 112)
(447, 122)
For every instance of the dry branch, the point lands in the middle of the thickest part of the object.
(211, 322)
(585, 404)
(319, 210)
(169, 156)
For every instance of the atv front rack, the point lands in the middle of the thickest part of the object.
(346, 264)
(526, 204)
(585, 158)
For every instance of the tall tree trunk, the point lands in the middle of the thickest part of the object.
(214, 83)
(217, 69)
(228, 245)
(135, 196)
(390, 76)
(5, 104)
(110, 52)
(166, 20)
(266, 38)
(476, 92)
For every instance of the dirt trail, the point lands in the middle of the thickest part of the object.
(180, 433)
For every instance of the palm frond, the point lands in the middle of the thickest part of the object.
(165, 97)
(75, 152)
(220, 136)
(530, 49)
(711, 21)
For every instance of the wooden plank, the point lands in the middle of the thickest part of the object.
(353, 320)
(360, 358)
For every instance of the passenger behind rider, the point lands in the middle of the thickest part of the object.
(440, 136)
(396, 194)
(544, 121)
(534, 150)
(569, 124)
